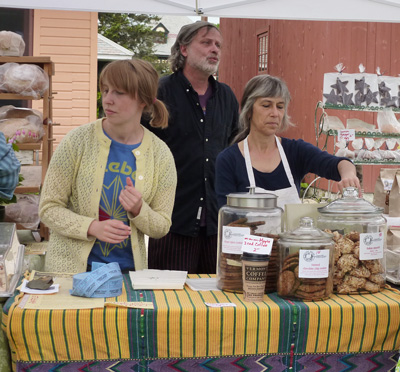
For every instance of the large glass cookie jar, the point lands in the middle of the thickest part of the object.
(246, 214)
(359, 231)
(305, 263)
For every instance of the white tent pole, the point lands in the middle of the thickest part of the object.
(198, 11)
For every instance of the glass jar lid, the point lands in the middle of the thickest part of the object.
(350, 203)
(306, 232)
(250, 200)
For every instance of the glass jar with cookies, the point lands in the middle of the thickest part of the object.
(246, 214)
(305, 263)
(359, 232)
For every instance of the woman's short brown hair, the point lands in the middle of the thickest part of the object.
(139, 79)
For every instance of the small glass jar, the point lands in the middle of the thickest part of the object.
(305, 263)
(359, 231)
(246, 214)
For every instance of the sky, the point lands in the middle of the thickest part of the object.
(214, 20)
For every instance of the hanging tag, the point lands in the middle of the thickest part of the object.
(346, 135)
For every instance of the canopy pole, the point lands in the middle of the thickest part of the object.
(198, 11)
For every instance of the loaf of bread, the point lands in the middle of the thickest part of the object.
(11, 44)
(24, 79)
(22, 130)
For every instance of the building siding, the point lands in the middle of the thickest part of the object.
(70, 39)
(301, 52)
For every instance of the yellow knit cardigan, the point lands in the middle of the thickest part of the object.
(72, 188)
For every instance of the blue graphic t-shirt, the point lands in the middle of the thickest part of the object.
(120, 164)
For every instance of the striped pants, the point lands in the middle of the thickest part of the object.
(196, 255)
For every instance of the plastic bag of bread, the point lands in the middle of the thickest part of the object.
(360, 126)
(21, 124)
(24, 79)
(368, 155)
(387, 122)
(25, 211)
(358, 144)
(11, 44)
(346, 153)
(22, 130)
(343, 150)
(10, 111)
(332, 122)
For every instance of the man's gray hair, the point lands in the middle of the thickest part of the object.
(185, 37)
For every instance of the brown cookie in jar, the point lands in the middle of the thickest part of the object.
(245, 213)
(352, 275)
(361, 222)
(307, 254)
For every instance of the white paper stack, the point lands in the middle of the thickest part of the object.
(202, 284)
(158, 279)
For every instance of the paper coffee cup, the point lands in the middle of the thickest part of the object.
(254, 274)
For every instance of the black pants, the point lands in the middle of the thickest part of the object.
(196, 255)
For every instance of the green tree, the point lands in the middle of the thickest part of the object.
(132, 31)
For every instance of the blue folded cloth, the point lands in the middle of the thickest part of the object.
(105, 280)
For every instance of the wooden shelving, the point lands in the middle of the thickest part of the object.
(34, 174)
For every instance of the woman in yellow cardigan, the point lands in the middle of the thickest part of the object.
(112, 181)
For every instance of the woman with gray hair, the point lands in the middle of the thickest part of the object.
(260, 159)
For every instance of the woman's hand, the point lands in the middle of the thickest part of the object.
(348, 175)
(130, 198)
(109, 231)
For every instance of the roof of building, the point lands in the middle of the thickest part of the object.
(173, 24)
(108, 50)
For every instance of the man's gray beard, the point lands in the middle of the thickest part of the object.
(207, 68)
(213, 69)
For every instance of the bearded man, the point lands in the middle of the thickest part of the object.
(203, 120)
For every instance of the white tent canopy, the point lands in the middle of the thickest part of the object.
(331, 10)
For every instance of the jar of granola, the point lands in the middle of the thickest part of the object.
(359, 231)
(246, 214)
(305, 263)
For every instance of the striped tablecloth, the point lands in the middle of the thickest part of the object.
(182, 326)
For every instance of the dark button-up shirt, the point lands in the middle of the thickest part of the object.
(195, 141)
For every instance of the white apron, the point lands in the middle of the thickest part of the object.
(288, 195)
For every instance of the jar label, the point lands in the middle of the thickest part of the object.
(314, 263)
(232, 239)
(371, 246)
(257, 244)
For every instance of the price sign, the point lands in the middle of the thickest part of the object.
(257, 244)
(347, 135)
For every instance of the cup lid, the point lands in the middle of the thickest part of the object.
(255, 257)
(306, 232)
(350, 203)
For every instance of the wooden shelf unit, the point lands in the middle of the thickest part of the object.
(34, 174)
